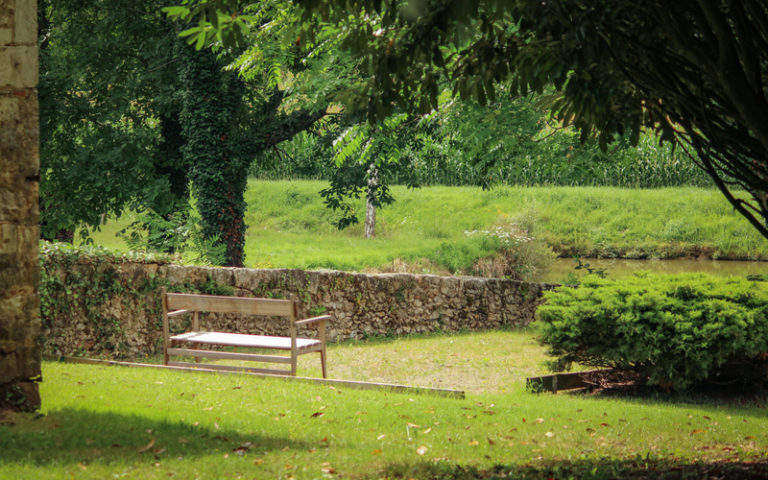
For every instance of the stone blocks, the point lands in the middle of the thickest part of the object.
(128, 325)
(20, 348)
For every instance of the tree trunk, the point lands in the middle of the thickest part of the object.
(218, 172)
(370, 201)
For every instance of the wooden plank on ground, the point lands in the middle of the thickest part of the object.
(440, 392)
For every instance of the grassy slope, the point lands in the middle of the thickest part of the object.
(290, 227)
(110, 422)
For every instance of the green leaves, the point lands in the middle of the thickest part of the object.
(676, 331)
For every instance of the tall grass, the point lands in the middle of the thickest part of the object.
(288, 225)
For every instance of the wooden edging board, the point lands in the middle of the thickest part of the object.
(440, 392)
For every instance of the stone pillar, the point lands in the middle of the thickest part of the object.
(20, 327)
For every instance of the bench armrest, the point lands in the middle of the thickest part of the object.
(321, 318)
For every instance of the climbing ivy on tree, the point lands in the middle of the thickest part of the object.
(211, 110)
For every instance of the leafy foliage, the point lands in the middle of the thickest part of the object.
(676, 331)
(177, 233)
(366, 158)
(511, 141)
(693, 71)
(106, 98)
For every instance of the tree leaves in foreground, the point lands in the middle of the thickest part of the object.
(693, 70)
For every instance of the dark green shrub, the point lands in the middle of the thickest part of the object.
(675, 330)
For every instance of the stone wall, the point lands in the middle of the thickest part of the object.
(127, 323)
(19, 177)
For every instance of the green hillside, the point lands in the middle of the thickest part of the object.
(431, 227)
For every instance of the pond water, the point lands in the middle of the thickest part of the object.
(618, 268)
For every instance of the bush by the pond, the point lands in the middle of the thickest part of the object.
(674, 330)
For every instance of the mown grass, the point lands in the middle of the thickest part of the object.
(290, 227)
(113, 422)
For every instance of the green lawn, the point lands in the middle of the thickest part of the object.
(290, 227)
(114, 422)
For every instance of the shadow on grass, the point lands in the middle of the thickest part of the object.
(742, 402)
(597, 469)
(73, 435)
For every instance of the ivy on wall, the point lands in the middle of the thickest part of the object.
(86, 290)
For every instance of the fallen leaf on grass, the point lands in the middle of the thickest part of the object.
(491, 441)
(329, 470)
(147, 446)
(698, 430)
(240, 451)
(549, 434)
(82, 466)
(421, 450)
(376, 452)
(427, 430)
(474, 443)
(316, 414)
(539, 420)
(380, 436)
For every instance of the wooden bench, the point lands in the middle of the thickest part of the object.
(188, 343)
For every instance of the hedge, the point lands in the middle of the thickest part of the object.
(676, 331)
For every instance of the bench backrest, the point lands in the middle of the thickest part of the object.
(219, 304)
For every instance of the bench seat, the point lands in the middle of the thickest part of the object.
(243, 340)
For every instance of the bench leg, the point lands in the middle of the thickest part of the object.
(322, 362)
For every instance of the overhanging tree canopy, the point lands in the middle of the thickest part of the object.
(695, 70)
